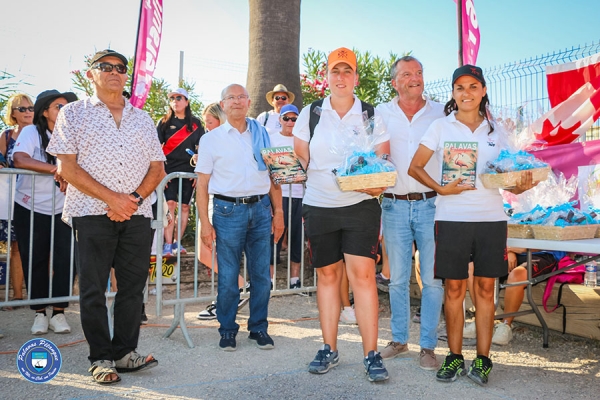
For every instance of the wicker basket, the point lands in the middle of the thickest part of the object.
(508, 180)
(520, 231)
(566, 233)
(367, 181)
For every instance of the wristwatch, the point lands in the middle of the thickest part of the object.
(137, 196)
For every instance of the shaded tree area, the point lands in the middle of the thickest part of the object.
(274, 51)
(8, 85)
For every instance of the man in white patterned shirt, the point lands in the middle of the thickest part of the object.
(109, 153)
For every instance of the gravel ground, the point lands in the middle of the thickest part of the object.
(569, 368)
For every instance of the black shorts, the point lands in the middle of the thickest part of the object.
(333, 232)
(542, 263)
(172, 190)
(456, 242)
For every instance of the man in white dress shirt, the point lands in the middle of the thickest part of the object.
(246, 209)
(408, 211)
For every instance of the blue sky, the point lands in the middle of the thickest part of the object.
(41, 41)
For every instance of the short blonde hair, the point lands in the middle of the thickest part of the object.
(216, 111)
(14, 101)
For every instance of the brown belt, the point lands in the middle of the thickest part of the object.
(411, 196)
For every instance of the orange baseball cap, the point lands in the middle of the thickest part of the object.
(341, 55)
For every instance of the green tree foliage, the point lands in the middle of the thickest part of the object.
(373, 71)
(157, 102)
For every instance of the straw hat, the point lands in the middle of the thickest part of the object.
(278, 89)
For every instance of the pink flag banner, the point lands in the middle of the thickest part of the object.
(470, 32)
(146, 52)
(568, 157)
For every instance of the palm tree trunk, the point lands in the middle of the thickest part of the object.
(274, 51)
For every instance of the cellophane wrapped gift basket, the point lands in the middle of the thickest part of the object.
(505, 171)
(546, 212)
(362, 167)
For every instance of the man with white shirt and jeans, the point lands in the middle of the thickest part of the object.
(246, 209)
(408, 211)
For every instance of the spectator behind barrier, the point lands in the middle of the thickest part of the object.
(30, 153)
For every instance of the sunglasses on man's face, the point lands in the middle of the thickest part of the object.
(23, 109)
(108, 67)
(286, 118)
(176, 98)
(284, 98)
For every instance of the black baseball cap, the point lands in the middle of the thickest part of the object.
(469, 70)
(106, 53)
(46, 97)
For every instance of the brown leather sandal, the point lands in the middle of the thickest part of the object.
(102, 370)
(134, 361)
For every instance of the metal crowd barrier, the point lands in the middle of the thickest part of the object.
(181, 299)
(8, 174)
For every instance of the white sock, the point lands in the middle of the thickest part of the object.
(383, 276)
(294, 280)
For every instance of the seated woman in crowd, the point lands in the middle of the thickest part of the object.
(469, 220)
(44, 197)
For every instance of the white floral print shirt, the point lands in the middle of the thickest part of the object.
(118, 158)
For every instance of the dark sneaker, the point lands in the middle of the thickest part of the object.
(324, 361)
(263, 340)
(227, 342)
(452, 367)
(374, 368)
(144, 317)
(480, 370)
(295, 285)
(209, 313)
(382, 283)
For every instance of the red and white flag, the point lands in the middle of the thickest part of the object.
(573, 113)
(566, 79)
(146, 52)
(470, 32)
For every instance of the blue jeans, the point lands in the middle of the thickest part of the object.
(247, 228)
(404, 222)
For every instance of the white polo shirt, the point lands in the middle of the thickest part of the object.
(29, 142)
(227, 156)
(405, 137)
(480, 205)
(322, 189)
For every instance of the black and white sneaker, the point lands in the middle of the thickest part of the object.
(209, 313)
(263, 340)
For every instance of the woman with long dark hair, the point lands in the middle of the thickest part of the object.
(469, 219)
(179, 133)
(44, 197)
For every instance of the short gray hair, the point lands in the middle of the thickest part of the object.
(394, 68)
(224, 91)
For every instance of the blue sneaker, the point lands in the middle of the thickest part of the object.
(263, 340)
(374, 368)
(176, 247)
(324, 361)
(167, 249)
